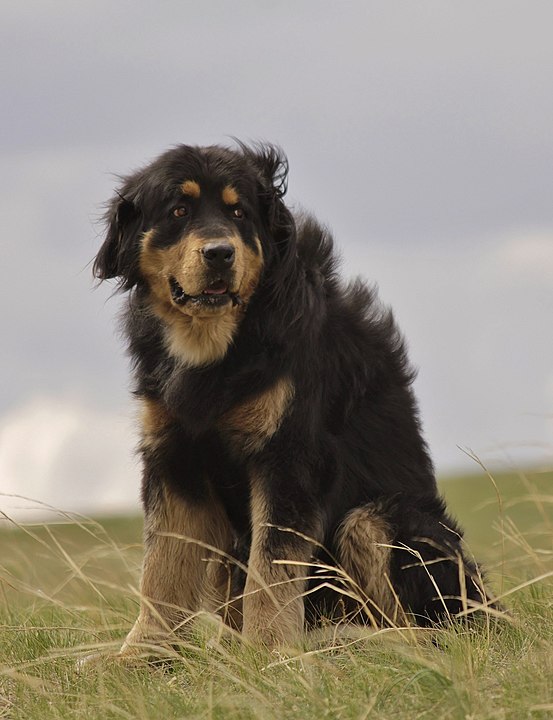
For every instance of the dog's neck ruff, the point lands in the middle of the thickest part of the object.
(199, 341)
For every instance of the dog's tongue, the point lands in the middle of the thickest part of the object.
(217, 288)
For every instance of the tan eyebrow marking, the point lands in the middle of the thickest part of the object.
(191, 187)
(230, 195)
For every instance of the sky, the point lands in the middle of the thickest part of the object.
(419, 132)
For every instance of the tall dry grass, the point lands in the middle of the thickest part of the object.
(69, 589)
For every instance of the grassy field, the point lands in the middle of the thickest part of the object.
(70, 588)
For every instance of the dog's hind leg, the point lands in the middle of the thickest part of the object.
(434, 578)
(362, 548)
(406, 564)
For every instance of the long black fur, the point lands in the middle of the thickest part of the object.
(352, 436)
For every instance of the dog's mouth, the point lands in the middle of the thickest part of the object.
(217, 293)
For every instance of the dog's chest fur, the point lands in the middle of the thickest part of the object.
(249, 425)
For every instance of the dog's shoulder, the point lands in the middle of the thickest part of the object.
(358, 328)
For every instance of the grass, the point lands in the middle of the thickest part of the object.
(70, 588)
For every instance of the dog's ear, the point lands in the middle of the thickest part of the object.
(271, 167)
(281, 277)
(117, 258)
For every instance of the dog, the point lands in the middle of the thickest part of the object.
(285, 476)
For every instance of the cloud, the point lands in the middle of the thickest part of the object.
(422, 136)
(528, 254)
(65, 453)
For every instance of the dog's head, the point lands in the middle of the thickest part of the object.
(197, 228)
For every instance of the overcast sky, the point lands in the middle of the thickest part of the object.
(420, 132)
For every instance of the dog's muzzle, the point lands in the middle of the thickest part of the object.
(216, 293)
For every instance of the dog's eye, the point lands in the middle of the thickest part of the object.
(238, 213)
(180, 211)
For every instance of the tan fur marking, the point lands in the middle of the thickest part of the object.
(201, 341)
(251, 424)
(248, 265)
(196, 336)
(192, 188)
(181, 260)
(230, 195)
(273, 602)
(180, 576)
(155, 420)
(362, 552)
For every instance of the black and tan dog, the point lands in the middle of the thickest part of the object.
(278, 423)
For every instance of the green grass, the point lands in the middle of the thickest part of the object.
(69, 589)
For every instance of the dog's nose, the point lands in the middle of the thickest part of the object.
(218, 256)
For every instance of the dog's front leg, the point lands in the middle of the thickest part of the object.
(181, 574)
(284, 530)
(186, 538)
